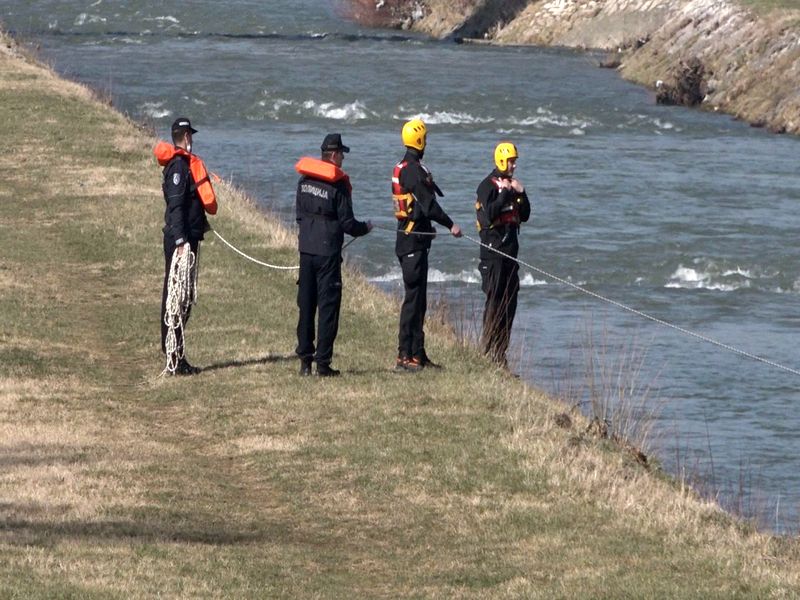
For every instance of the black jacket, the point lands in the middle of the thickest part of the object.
(493, 202)
(417, 180)
(324, 215)
(185, 217)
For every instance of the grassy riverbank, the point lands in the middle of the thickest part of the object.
(248, 481)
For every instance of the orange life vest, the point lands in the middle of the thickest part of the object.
(323, 170)
(165, 152)
(403, 200)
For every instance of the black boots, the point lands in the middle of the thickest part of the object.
(305, 367)
(184, 368)
(326, 371)
(323, 370)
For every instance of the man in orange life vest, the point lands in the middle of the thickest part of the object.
(501, 206)
(185, 221)
(324, 214)
(414, 193)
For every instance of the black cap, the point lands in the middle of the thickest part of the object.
(333, 141)
(182, 124)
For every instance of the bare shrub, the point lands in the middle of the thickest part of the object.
(612, 389)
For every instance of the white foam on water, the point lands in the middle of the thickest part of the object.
(738, 271)
(545, 117)
(528, 281)
(510, 132)
(466, 276)
(355, 111)
(393, 275)
(446, 118)
(640, 120)
(437, 276)
(155, 110)
(163, 19)
(84, 18)
(434, 276)
(694, 279)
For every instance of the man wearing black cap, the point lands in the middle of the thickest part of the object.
(324, 214)
(184, 224)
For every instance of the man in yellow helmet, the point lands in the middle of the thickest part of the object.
(501, 206)
(414, 193)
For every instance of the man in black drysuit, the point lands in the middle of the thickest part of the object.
(324, 214)
(501, 206)
(184, 223)
(412, 177)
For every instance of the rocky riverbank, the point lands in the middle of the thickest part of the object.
(749, 59)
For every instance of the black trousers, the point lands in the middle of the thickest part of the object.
(169, 249)
(411, 341)
(500, 283)
(319, 287)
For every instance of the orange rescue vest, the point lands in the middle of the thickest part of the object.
(322, 169)
(403, 200)
(165, 152)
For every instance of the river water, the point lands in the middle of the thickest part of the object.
(687, 216)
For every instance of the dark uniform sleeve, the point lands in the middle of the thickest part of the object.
(176, 178)
(344, 211)
(490, 198)
(416, 181)
(297, 207)
(524, 207)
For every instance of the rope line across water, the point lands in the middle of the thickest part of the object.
(639, 313)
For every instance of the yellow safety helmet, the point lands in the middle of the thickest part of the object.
(503, 152)
(414, 133)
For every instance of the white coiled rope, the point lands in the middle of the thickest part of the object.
(181, 294)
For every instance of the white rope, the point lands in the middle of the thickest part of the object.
(181, 294)
(250, 258)
(640, 313)
(395, 230)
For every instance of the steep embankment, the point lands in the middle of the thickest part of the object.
(750, 59)
(248, 481)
